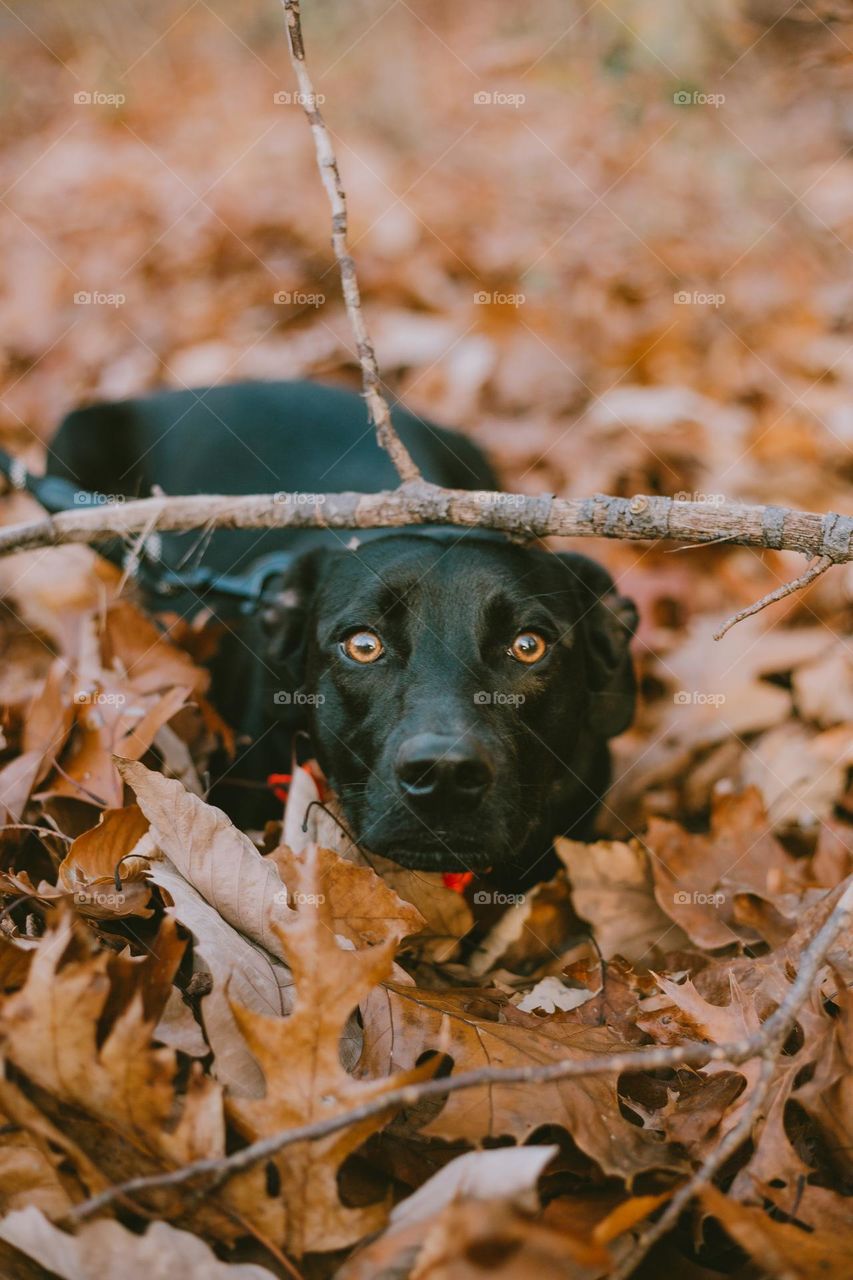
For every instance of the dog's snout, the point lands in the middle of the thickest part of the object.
(432, 766)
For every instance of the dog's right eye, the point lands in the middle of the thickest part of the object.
(363, 646)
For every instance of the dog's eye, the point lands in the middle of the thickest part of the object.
(363, 646)
(528, 647)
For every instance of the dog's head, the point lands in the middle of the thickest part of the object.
(456, 690)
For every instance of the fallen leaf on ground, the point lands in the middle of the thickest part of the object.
(401, 1024)
(612, 888)
(300, 1059)
(108, 1249)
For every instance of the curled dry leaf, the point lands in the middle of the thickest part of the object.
(479, 1175)
(446, 914)
(107, 1248)
(100, 871)
(131, 643)
(209, 852)
(232, 967)
(228, 896)
(531, 933)
(508, 1176)
(364, 908)
(47, 723)
(128, 682)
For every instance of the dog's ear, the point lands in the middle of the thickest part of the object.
(283, 630)
(608, 622)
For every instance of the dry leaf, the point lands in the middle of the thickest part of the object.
(508, 1177)
(697, 876)
(788, 1252)
(237, 969)
(219, 861)
(305, 1081)
(551, 994)
(479, 1175)
(52, 1036)
(364, 907)
(403, 1023)
(95, 860)
(106, 1248)
(612, 888)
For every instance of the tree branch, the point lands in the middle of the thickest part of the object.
(638, 518)
(766, 1041)
(380, 414)
(828, 537)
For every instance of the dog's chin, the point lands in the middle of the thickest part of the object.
(451, 856)
(437, 854)
(443, 848)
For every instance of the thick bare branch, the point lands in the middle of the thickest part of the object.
(639, 518)
(380, 414)
(768, 1039)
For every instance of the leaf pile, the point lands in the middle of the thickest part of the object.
(171, 993)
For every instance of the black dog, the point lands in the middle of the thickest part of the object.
(457, 689)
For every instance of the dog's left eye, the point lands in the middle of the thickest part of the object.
(528, 647)
(363, 646)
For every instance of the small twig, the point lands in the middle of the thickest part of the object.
(136, 550)
(30, 826)
(788, 588)
(772, 1032)
(380, 414)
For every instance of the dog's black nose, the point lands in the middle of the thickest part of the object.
(433, 766)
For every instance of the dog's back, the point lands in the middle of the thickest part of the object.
(251, 438)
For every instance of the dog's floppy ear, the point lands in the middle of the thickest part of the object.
(283, 629)
(608, 623)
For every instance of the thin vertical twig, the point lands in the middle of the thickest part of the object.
(327, 163)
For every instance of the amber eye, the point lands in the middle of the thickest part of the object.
(528, 647)
(363, 647)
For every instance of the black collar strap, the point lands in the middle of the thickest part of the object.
(250, 587)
